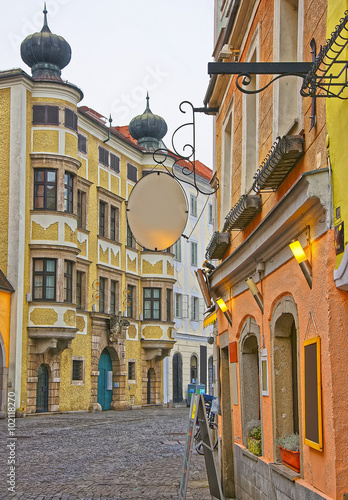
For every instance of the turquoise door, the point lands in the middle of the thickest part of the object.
(105, 380)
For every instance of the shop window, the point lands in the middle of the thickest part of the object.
(44, 279)
(45, 189)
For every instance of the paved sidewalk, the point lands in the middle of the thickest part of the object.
(135, 454)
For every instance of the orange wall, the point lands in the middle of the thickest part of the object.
(329, 307)
(5, 308)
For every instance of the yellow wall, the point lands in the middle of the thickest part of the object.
(5, 97)
(337, 124)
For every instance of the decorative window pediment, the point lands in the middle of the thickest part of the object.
(280, 160)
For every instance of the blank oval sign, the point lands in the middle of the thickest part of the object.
(157, 211)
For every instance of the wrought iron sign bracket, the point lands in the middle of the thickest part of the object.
(325, 76)
(246, 70)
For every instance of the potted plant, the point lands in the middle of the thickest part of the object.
(254, 437)
(289, 447)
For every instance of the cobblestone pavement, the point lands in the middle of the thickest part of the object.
(135, 454)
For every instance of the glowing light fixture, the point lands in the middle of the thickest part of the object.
(255, 291)
(223, 307)
(301, 258)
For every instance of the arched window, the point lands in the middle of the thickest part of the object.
(194, 370)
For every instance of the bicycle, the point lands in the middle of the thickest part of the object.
(197, 439)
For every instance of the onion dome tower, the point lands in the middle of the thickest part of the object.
(45, 53)
(148, 129)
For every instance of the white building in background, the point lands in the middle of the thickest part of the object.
(191, 359)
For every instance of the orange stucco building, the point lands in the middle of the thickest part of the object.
(282, 362)
(6, 291)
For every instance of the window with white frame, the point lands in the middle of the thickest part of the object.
(178, 305)
(194, 308)
(77, 370)
(193, 205)
(194, 253)
(177, 250)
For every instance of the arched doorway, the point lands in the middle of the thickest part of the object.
(104, 397)
(177, 378)
(42, 389)
(250, 385)
(151, 389)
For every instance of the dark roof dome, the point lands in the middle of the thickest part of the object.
(148, 129)
(45, 53)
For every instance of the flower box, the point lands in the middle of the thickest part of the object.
(290, 458)
(255, 446)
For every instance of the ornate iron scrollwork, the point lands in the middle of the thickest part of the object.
(184, 164)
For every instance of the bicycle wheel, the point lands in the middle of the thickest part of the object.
(197, 440)
(214, 434)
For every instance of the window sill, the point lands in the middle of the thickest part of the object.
(285, 471)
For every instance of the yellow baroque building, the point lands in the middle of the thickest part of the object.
(91, 315)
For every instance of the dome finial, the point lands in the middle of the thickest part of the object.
(45, 25)
(148, 129)
(147, 99)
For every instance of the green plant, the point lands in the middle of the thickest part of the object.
(255, 432)
(290, 442)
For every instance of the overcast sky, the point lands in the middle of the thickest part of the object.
(123, 48)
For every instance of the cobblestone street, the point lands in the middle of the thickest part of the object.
(136, 454)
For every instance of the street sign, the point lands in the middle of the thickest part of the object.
(198, 414)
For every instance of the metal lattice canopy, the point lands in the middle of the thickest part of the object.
(243, 212)
(217, 245)
(280, 160)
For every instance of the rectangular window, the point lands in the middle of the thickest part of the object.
(130, 240)
(103, 156)
(68, 192)
(152, 303)
(131, 370)
(210, 213)
(114, 163)
(169, 304)
(102, 286)
(79, 290)
(44, 279)
(114, 218)
(45, 189)
(45, 115)
(77, 370)
(194, 309)
(178, 305)
(132, 173)
(102, 212)
(194, 248)
(113, 297)
(68, 270)
(70, 119)
(82, 143)
(193, 204)
(177, 250)
(81, 209)
(130, 301)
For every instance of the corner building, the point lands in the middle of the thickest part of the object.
(277, 187)
(91, 316)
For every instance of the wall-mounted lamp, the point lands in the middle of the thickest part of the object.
(255, 291)
(223, 307)
(301, 258)
(207, 266)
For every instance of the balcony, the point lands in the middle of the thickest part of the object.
(217, 246)
(284, 155)
(242, 213)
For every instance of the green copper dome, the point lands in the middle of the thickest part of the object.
(148, 129)
(45, 53)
